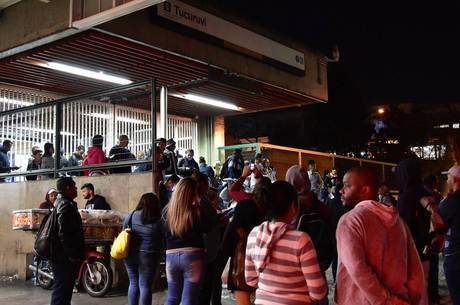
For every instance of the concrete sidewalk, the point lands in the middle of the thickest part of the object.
(26, 293)
(16, 292)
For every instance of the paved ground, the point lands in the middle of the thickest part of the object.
(17, 292)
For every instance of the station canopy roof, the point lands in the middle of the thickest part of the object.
(101, 51)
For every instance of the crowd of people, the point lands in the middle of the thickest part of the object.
(45, 159)
(277, 239)
(169, 161)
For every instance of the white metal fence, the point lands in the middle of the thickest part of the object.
(81, 121)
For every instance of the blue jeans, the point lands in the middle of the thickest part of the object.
(452, 272)
(184, 271)
(65, 275)
(141, 268)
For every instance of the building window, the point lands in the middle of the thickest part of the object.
(441, 126)
(430, 152)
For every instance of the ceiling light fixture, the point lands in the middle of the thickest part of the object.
(99, 115)
(206, 100)
(119, 119)
(130, 120)
(16, 102)
(63, 133)
(99, 75)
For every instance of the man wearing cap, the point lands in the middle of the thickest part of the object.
(33, 149)
(170, 157)
(50, 199)
(34, 163)
(160, 159)
(449, 209)
(5, 166)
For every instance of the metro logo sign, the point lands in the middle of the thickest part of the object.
(234, 36)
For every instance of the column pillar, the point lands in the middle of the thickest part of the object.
(163, 112)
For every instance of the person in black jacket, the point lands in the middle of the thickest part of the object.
(95, 202)
(68, 245)
(248, 213)
(120, 152)
(170, 158)
(411, 190)
(186, 166)
(449, 209)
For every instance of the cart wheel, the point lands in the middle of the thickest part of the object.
(43, 281)
(97, 282)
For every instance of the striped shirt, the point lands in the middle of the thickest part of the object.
(282, 264)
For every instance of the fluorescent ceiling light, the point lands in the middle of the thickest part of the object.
(119, 119)
(99, 75)
(63, 133)
(130, 120)
(206, 100)
(16, 102)
(99, 115)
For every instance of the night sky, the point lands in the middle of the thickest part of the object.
(389, 53)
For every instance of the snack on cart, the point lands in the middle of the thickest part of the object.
(97, 232)
(28, 219)
(101, 225)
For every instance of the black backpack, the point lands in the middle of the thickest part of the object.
(43, 246)
(224, 169)
(321, 236)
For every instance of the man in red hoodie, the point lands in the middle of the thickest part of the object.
(378, 261)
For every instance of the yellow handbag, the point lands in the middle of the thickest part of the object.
(120, 247)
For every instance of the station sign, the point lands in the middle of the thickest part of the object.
(234, 36)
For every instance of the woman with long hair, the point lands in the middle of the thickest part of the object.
(145, 248)
(186, 221)
(248, 213)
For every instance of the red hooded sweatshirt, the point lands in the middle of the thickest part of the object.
(94, 156)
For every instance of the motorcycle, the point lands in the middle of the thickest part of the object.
(94, 274)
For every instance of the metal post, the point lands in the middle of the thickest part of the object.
(57, 139)
(153, 122)
(163, 111)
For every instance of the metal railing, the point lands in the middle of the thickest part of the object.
(288, 156)
(83, 119)
(58, 104)
(108, 165)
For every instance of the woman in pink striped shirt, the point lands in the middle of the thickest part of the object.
(280, 261)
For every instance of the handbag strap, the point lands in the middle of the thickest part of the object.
(130, 220)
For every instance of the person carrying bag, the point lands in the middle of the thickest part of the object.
(120, 247)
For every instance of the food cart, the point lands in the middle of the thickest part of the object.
(100, 227)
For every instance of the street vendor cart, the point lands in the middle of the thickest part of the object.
(100, 227)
